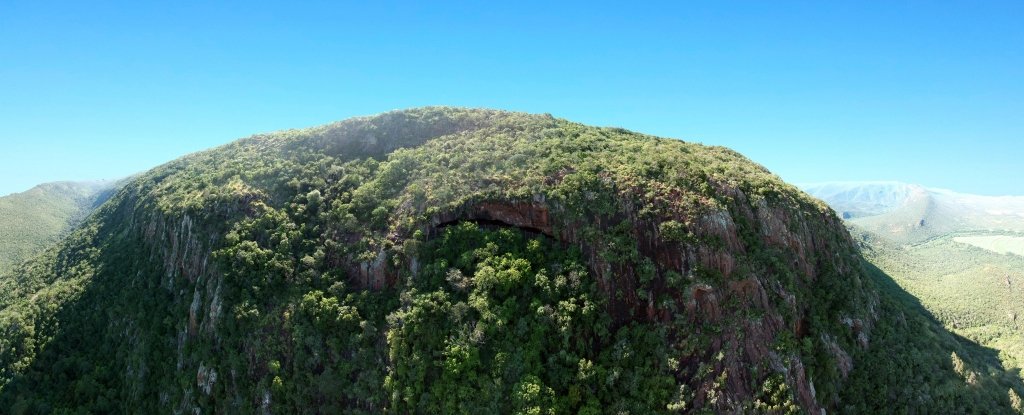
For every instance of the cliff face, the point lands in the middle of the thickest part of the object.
(248, 277)
(808, 240)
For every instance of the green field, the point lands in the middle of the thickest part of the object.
(1000, 244)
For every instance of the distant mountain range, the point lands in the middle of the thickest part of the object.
(909, 213)
(32, 220)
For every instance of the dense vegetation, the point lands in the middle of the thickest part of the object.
(915, 366)
(35, 219)
(919, 240)
(975, 293)
(467, 261)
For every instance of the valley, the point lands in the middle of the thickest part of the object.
(35, 219)
(965, 262)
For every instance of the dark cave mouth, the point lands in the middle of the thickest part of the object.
(492, 224)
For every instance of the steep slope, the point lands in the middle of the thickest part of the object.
(445, 260)
(32, 220)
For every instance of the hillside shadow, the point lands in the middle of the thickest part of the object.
(101, 298)
(912, 367)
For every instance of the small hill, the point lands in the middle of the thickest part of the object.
(450, 260)
(32, 220)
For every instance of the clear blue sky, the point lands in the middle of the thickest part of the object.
(923, 92)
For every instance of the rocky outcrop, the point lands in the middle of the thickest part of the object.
(715, 252)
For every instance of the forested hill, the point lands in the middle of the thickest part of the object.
(445, 260)
(32, 220)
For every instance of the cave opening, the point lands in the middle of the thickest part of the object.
(492, 224)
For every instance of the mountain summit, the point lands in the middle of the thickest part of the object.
(446, 260)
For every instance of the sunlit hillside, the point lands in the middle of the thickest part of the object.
(35, 219)
(960, 254)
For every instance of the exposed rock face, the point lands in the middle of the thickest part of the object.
(842, 358)
(805, 251)
(205, 378)
(532, 216)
